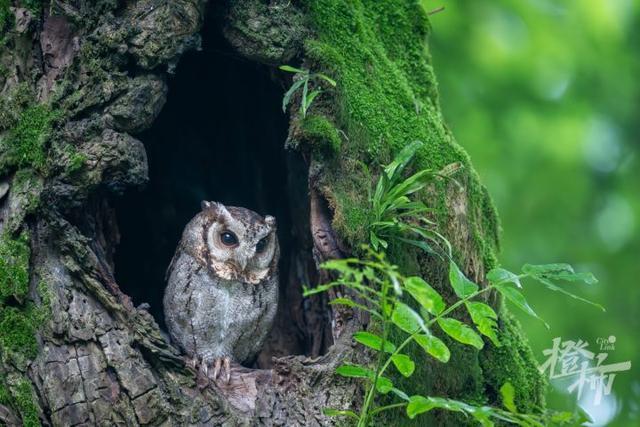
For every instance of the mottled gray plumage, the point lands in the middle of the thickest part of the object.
(221, 299)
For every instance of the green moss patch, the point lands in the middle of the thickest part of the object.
(18, 327)
(25, 144)
(513, 362)
(19, 323)
(322, 134)
(18, 393)
(19, 319)
(14, 268)
(6, 16)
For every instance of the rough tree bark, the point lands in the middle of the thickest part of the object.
(78, 79)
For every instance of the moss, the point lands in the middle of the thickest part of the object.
(19, 323)
(14, 267)
(18, 328)
(24, 400)
(387, 97)
(17, 392)
(13, 104)
(513, 362)
(6, 16)
(5, 394)
(75, 159)
(321, 134)
(29, 185)
(19, 319)
(26, 141)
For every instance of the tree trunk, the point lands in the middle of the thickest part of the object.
(83, 86)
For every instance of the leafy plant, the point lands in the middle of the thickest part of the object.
(394, 216)
(305, 76)
(377, 287)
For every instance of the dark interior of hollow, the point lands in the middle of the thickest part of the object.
(220, 137)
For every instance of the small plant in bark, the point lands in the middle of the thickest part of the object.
(376, 286)
(302, 84)
(394, 217)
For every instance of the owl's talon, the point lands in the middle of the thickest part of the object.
(227, 369)
(192, 362)
(216, 368)
(202, 378)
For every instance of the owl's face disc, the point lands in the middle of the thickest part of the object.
(239, 243)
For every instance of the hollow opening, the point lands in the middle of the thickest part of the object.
(220, 137)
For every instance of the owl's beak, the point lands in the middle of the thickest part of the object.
(242, 263)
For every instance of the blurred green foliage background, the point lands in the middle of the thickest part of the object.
(545, 97)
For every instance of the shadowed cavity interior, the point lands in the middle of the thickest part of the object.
(219, 137)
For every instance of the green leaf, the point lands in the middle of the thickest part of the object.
(343, 301)
(433, 346)
(519, 301)
(340, 265)
(401, 394)
(507, 392)
(373, 341)
(405, 318)
(559, 272)
(500, 275)
(330, 412)
(420, 404)
(482, 415)
(418, 244)
(375, 242)
(460, 332)
(562, 417)
(354, 371)
(404, 364)
(462, 286)
(485, 320)
(410, 185)
(556, 288)
(287, 96)
(291, 69)
(305, 90)
(326, 79)
(384, 385)
(402, 159)
(314, 93)
(424, 294)
(381, 187)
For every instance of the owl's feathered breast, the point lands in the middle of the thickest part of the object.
(212, 309)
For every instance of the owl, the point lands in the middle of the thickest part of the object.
(222, 287)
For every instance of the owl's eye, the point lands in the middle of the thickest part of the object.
(228, 238)
(262, 244)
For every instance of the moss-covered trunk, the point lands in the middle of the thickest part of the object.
(80, 81)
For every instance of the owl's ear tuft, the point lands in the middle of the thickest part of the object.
(270, 221)
(218, 210)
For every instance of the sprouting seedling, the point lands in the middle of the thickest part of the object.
(303, 82)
